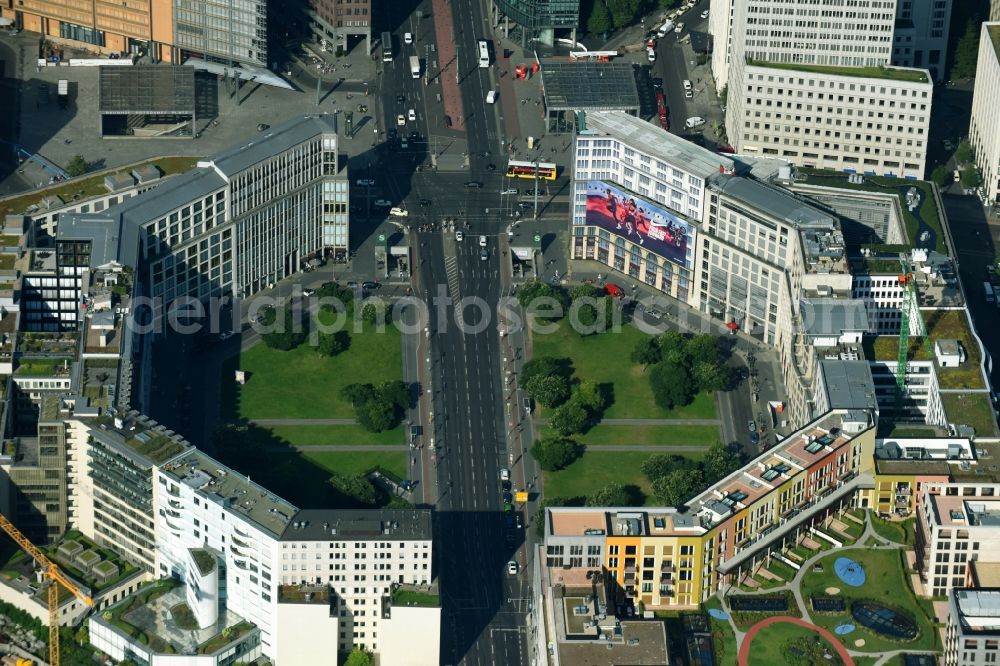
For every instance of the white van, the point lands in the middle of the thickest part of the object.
(665, 28)
(694, 121)
(491, 97)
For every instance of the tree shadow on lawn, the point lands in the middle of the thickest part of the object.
(281, 468)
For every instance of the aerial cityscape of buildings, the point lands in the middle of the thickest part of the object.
(508, 332)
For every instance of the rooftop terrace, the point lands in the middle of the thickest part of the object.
(221, 484)
(890, 73)
(135, 434)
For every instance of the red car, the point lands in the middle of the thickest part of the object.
(661, 99)
(614, 290)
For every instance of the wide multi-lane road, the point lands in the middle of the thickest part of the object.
(483, 605)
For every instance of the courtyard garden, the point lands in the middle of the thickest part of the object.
(884, 593)
(791, 644)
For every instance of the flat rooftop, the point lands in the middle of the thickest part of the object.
(274, 141)
(640, 644)
(585, 86)
(849, 383)
(985, 574)
(146, 89)
(358, 525)
(221, 484)
(955, 511)
(994, 31)
(979, 610)
(654, 141)
(141, 439)
(901, 74)
(577, 523)
(832, 317)
(304, 594)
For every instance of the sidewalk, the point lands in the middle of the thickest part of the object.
(448, 73)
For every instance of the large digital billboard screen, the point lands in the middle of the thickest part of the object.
(640, 221)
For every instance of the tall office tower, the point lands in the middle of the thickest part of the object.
(336, 21)
(984, 135)
(921, 35)
(824, 94)
(537, 19)
(169, 30)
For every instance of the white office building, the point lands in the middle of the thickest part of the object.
(873, 120)
(920, 38)
(984, 132)
(639, 198)
(239, 222)
(822, 94)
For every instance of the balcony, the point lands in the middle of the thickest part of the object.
(666, 565)
(666, 578)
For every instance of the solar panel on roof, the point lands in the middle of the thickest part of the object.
(770, 475)
(782, 467)
(738, 496)
(813, 447)
(825, 439)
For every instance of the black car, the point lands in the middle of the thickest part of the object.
(505, 485)
(400, 99)
(754, 439)
(263, 126)
(657, 83)
(393, 134)
(526, 205)
(473, 183)
(414, 136)
(425, 202)
(368, 284)
(509, 518)
(508, 498)
(491, 167)
(510, 538)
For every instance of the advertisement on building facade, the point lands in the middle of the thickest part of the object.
(640, 221)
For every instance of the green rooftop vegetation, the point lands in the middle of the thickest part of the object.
(928, 209)
(941, 325)
(7, 260)
(8, 240)
(115, 616)
(43, 367)
(158, 448)
(225, 637)
(88, 187)
(994, 31)
(890, 73)
(204, 560)
(411, 597)
(972, 409)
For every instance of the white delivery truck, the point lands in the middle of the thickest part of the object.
(415, 67)
(665, 28)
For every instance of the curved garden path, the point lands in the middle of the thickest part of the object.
(744, 654)
(868, 539)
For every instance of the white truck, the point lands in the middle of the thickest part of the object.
(415, 67)
(63, 91)
(665, 28)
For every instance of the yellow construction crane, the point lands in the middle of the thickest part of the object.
(55, 578)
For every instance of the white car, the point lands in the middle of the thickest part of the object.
(704, 14)
(407, 37)
(510, 190)
(482, 241)
(382, 203)
(687, 84)
(400, 119)
(505, 474)
(650, 55)
(512, 568)
(688, 94)
(411, 114)
(365, 182)
(459, 236)
(396, 211)
(679, 28)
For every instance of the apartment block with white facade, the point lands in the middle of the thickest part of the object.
(984, 133)
(972, 636)
(873, 120)
(920, 38)
(958, 523)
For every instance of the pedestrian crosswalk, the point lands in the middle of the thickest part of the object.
(451, 269)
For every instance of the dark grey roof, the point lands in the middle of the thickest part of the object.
(146, 89)
(359, 524)
(849, 384)
(105, 233)
(833, 316)
(169, 196)
(581, 86)
(774, 201)
(273, 141)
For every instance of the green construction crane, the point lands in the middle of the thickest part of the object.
(909, 307)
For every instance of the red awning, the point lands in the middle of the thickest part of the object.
(733, 326)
